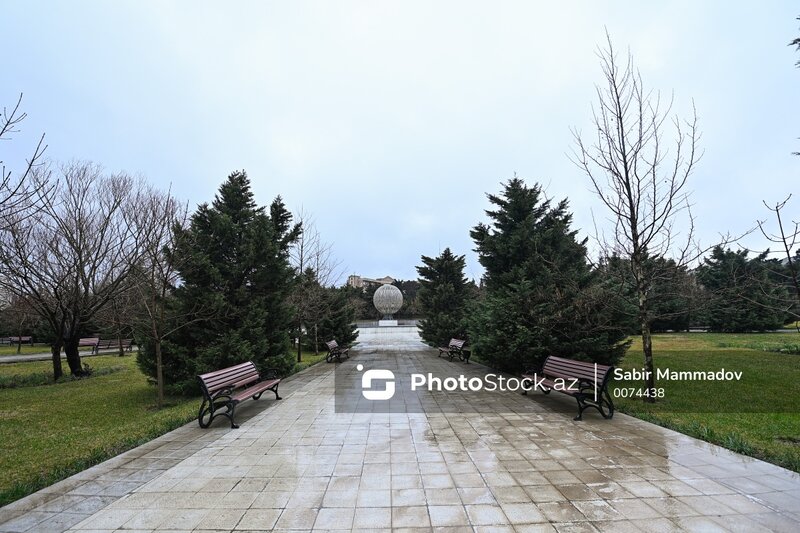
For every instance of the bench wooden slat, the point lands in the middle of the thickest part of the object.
(255, 389)
(243, 380)
(235, 380)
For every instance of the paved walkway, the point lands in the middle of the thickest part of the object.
(47, 356)
(521, 465)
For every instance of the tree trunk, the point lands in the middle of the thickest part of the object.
(159, 373)
(19, 344)
(642, 289)
(647, 347)
(316, 341)
(55, 349)
(299, 343)
(73, 357)
(118, 327)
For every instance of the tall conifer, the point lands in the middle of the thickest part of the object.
(235, 277)
(541, 296)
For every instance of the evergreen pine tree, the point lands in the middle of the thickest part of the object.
(235, 278)
(338, 321)
(442, 298)
(541, 296)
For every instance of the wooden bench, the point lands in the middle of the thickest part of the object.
(20, 340)
(89, 341)
(336, 352)
(105, 344)
(230, 386)
(455, 349)
(586, 382)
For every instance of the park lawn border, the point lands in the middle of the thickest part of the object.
(731, 440)
(93, 457)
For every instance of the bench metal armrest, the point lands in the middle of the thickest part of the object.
(222, 393)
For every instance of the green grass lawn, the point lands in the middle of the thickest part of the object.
(25, 349)
(757, 416)
(309, 358)
(50, 432)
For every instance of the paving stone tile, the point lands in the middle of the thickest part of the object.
(447, 515)
(634, 509)
(221, 519)
(597, 510)
(27, 521)
(297, 518)
(408, 497)
(523, 513)
(442, 497)
(486, 515)
(477, 496)
(258, 519)
(562, 511)
(412, 516)
(341, 518)
(372, 518)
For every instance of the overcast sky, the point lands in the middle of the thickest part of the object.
(389, 121)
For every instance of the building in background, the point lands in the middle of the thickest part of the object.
(361, 282)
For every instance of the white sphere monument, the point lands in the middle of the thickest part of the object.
(388, 300)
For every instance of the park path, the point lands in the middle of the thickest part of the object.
(47, 356)
(464, 462)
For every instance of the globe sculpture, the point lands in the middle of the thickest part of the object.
(388, 300)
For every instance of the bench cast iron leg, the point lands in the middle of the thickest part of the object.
(205, 411)
(230, 414)
(581, 407)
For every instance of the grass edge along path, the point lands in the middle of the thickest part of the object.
(737, 432)
(147, 430)
(759, 431)
(730, 440)
(95, 456)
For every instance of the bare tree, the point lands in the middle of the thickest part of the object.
(69, 252)
(786, 236)
(118, 316)
(15, 191)
(641, 184)
(159, 216)
(796, 43)
(316, 269)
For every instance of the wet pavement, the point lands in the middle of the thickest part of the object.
(466, 461)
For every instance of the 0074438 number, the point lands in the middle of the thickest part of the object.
(633, 392)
